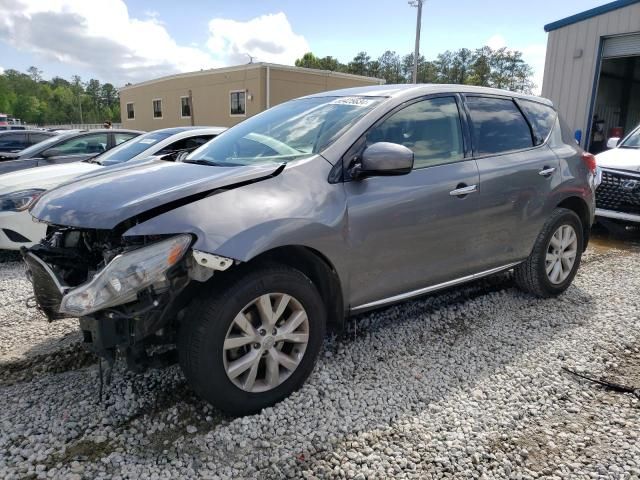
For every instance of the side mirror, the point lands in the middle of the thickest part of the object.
(613, 142)
(52, 152)
(384, 159)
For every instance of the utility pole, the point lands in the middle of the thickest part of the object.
(416, 52)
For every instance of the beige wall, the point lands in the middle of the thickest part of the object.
(210, 91)
(568, 81)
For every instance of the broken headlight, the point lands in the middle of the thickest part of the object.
(20, 200)
(125, 276)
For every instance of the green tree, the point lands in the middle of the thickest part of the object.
(360, 64)
(308, 60)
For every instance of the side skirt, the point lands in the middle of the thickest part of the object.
(416, 293)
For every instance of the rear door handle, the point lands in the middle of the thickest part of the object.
(547, 171)
(458, 192)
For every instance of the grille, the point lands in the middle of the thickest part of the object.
(45, 287)
(612, 194)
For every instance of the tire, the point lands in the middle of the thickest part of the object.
(214, 321)
(531, 275)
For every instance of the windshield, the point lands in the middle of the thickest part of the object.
(131, 148)
(632, 141)
(290, 131)
(34, 149)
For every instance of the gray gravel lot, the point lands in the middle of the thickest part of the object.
(464, 384)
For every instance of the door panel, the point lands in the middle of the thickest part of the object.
(408, 232)
(514, 198)
(516, 178)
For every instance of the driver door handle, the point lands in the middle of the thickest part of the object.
(464, 190)
(547, 171)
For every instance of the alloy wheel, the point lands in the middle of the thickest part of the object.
(561, 254)
(266, 342)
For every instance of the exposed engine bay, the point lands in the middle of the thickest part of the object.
(135, 316)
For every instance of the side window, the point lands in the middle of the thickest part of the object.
(13, 140)
(38, 137)
(555, 139)
(430, 128)
(190, 143)
(130, 111)
(497, 126)
(237, 103)
(541, 117)
(157, 108)
(96, 143)
(123, 137)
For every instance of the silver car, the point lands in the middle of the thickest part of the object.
(322, 207)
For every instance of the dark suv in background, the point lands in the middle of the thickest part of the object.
(14, 141)
(311, 211)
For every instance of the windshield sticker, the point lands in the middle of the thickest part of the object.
(148, 141)
(355, 101)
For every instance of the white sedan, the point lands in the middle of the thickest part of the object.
(20, 190)
(618, 196)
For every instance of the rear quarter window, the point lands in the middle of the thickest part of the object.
(541, 117)
(497, 126)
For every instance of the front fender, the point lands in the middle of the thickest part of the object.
(297, 207)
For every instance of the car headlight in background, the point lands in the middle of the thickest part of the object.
(20, 200)
(125, 276)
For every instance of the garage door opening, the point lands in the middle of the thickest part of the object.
(617, 107)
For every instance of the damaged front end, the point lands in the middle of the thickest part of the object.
(128, 293)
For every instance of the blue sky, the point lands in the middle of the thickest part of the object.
(133, 40)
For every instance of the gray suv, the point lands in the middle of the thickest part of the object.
(242, 253)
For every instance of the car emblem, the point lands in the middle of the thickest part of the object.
(629, 185)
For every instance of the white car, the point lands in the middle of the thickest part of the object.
(618, 196)
(19, 190)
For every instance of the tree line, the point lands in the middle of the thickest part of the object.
(34, 100)
(486, 67)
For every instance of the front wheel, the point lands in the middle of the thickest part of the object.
(554, 261)
(254, 342)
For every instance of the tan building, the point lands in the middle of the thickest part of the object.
(224, 96)
(592, 70)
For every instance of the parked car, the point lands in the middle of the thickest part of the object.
(65, 148)
(18, 190)
(316, 209)
(618, 196)
(12, 142)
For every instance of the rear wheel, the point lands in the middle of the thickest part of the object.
(255, 342)
(555, 258)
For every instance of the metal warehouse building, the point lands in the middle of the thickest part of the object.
(225, 96)
(592, 71)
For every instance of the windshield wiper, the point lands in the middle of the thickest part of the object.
(93, 159)
(202, 161)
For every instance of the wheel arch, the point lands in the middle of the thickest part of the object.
(320, 271)
(580, 207)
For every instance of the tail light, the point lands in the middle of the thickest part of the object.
(590, 161)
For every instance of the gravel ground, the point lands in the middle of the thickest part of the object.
(464, 384)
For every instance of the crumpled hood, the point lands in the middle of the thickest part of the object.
(111, 196)
(44, 177)
(620, 159)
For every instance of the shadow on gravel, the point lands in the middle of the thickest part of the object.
(7, 256)
(71, 357)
